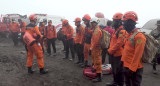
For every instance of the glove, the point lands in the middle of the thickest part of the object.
(93, 69)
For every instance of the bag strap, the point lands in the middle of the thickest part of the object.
(118, 32)
(132, 37)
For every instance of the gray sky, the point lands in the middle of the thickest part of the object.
(70, 9)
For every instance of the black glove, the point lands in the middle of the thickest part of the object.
(93, 69)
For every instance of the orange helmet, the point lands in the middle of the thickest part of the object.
(77, 19)
(117, 16)
(130, 15)
(65, 21)
(86, 17)
(33, 17)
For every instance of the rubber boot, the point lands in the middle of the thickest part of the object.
(43, 71)
(30, 71)
(154, 68)
(98, 79)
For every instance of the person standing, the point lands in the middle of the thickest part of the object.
(132, 54)
(14, 29)
(110, 30)
(115, 50)
(96, 49)
(31, 37)
(87, 39)
(156, 34)
(69, 39)
(78, 40)
(23, 25)
(51, 35)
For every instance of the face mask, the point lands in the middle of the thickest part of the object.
(116, 24)
(129, 25)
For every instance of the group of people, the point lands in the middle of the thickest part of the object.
(125, 58)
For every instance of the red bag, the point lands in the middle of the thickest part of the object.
(87, 72)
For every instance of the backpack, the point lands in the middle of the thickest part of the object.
(150, 48)
(105, 40)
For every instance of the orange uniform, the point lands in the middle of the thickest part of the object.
(69, 32)
(35, 48)
(3, 27)
(23, 26)
(96, 49)
(14, 27)
(63, 30)
(79, 35)
(116, 43)
(132, 55)
(50, 32)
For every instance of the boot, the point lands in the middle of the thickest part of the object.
(43, 71)
(85, 64)
(98, 79)
(154, 68)
(30, 71)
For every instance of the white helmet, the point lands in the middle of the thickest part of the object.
(95, 19)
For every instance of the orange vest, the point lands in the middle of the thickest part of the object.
(96, 38)
(50, 32)
(117, 42)
(131, 56)
(69, 32)
(3, 27)
(14, 27)
(28, 38)
(79, 34)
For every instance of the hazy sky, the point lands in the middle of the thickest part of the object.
(70, 9)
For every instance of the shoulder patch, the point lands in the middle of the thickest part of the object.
(139, 41)
(121, 35)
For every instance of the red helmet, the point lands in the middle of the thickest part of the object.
(32, 17)
(65, 21)
(77, 19)
(117, 16)
(130, 15)
(86, 17)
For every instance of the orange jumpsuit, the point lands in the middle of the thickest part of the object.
(14, 27)
(96, 50)
(116, 43)
(132, 55)
(35, 48)
(87, 43)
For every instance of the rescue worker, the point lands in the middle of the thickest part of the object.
(44, 40)
(51, 35)
(96, 49)
(69, 39)
(87, 39)
(3, 29)
(110, 30)
(132, 55)
(23, 25)
(34, 47)
(78, 40)
(14, 29)
(115, 50)
(156, 34)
